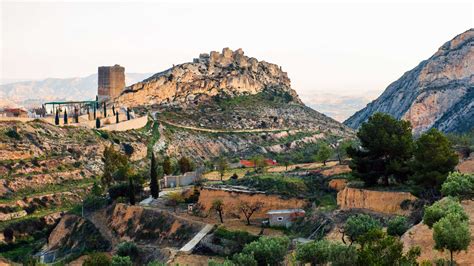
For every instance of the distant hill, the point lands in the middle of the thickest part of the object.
(34, 92)
(438, 93)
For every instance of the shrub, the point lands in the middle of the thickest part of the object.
(242, 259)
(397, 226)
(11, 133)
(156, 263)
(442, 208)
(358, 225)
(127, 249)
(240, 237)
(323, 251)
(268, 250)
(459, 185)
(118, 190)
(97, 259)
(121, 261)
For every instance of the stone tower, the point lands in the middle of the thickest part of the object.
(111, 82)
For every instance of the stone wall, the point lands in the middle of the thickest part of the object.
(378, 201)
(232, 199)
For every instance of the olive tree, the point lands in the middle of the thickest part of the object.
(452, 233)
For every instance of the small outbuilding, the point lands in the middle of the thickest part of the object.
(284, 217)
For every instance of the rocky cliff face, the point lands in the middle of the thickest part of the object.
(227, 73)
(438, 93)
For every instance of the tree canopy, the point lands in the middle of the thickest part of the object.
(386, 147)
(459, 185)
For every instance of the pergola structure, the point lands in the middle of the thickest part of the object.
(70, 105)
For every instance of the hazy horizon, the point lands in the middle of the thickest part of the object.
(344, 49)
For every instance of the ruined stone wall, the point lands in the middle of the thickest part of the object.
(387, 202)
(233, 199)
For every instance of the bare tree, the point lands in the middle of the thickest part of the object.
(218, 206)
(248, 209)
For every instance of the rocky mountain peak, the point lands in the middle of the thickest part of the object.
(437, 93)
(228, 73)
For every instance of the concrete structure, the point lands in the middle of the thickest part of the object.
(111, 82)
(180, 180)
(284, 217)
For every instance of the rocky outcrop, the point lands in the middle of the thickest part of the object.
(422, 236)
(387, 202)
(437, 93)
(229, 73)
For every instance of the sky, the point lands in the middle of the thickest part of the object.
(327, 48)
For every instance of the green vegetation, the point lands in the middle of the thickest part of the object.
(324, 153)
(218, 206)
(222, 166)
(241, 238)
(12, 133)
(452, 233)
(459, 185)
(359, 225)
(397, 226)
(267, 250)
(441, 209)
(463, 142)
(154, 187)
(323, 251)
(121, 261)
(433, 159)
(97, 259)
(127, 249)
(387, 146)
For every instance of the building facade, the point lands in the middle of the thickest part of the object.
(111, 82)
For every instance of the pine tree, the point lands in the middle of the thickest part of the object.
(65, 117)
(154, 187)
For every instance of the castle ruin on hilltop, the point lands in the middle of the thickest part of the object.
(111, 82)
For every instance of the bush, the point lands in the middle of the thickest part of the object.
(459, 185)
(11, 133)
(122, 189)
(121, 261)
(240, 237)
(273, 183)
(324, 251)
(97, 259)
(93, 202)
(442, 208)
(156, 263)
(360, 224)
(242, 259)
(268, 250)
(452, 233)
(397, 226)
(127, 249)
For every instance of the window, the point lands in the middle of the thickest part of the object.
(280, 219)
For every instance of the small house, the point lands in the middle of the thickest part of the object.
(284, 217)
(13, 112)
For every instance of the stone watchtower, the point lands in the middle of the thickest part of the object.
(111, 82)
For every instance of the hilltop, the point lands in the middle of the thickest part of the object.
(437, 93)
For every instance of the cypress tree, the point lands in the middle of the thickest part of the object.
(97, 102)
(154, 187)
(65, 117)
(131, 191)
(116, 117)
(56, 118)
(113, 109)
(105, 110)
(95, 112)
(97, 123)
(128, 113)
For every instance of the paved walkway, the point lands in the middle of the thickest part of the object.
(188, 248)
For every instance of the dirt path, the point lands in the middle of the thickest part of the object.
(224, 130)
